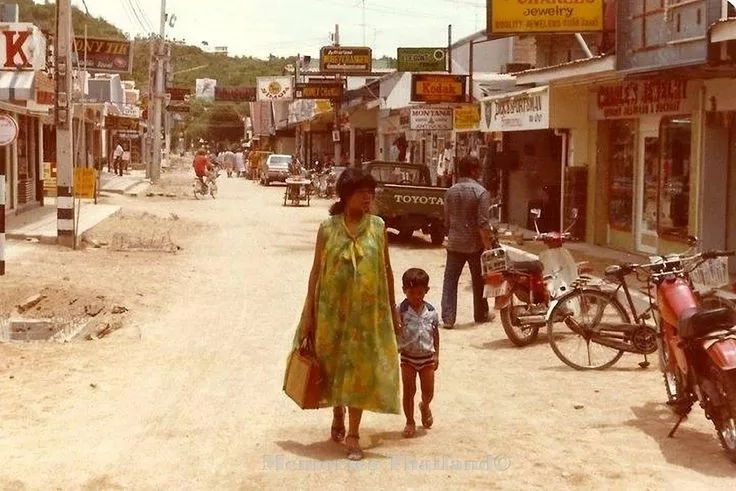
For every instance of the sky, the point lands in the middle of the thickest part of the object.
(286, 27)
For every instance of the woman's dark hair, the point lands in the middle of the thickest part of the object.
(415, 277)
(352, 180)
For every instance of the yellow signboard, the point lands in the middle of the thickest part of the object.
(538, 16)
(85, 182)
(467, 117)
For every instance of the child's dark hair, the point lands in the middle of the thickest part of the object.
(415, 277)
(352, 180)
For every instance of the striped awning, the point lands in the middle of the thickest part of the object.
(17, 85)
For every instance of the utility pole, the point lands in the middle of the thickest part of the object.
(338, 108)
(167, 115)
(158, 96)
(63, 120)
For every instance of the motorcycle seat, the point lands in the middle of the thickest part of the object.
(699, 322)
(528, 267)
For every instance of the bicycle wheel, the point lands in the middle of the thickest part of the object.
(575, 321)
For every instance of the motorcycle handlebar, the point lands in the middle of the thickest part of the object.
(715, 254)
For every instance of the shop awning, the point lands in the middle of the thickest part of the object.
(17, 86)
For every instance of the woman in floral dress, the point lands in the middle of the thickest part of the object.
(351, 311)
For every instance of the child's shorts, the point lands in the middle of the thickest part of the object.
(418, 362)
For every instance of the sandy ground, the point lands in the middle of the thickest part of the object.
(187, 395)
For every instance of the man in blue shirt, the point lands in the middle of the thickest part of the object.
(468, 233)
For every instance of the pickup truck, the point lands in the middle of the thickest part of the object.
(406, 199)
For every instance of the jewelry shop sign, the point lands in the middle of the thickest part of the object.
(346, 60)
(517, 111)
(544, 16)
(642, 97)
(431, 118)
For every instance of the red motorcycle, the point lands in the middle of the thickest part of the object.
(524, 290)
(696, 344)
(698, 348)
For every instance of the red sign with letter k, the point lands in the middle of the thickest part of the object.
(14, 41)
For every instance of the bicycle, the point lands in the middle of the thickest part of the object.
(599, 317)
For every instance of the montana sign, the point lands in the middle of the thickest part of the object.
(431, 118)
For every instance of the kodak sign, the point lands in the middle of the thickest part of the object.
(22, 47)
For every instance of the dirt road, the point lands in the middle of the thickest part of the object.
(188, 394)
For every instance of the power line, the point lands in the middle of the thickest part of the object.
(144, 16)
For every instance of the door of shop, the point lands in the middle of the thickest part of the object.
(647, 185)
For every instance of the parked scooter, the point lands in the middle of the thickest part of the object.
(523, 290)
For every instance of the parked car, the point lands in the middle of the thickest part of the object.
(275, 169)
(406, 199)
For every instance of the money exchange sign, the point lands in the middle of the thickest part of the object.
(340, 59)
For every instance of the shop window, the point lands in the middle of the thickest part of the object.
(621, 174)
(674, 182)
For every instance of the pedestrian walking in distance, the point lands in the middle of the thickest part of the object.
(467, 205)
(117, 159)
(351, 313)
(419, 347)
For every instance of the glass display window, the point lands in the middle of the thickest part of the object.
(621, 158)
(674, 178)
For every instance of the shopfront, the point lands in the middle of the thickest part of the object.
(530, 159)
(647, 134)
(718, 224)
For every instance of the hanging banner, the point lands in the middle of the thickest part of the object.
(274, 89)
(518, 111)
(438, 88)
(467, 117)
(430, 118)
(529, 16)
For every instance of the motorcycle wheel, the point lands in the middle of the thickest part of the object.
(213, 190)
(672, 381)
(572, 324)
(196, 192)
(725, 418)
(519, 335)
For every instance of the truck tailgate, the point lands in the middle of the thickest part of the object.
(397, 199)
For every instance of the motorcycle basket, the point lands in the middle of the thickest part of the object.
(711, 274)
(493, 261)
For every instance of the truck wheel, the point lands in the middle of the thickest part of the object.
(437, 236)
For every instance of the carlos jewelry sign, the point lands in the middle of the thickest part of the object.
(518, 111)
(274, 89)
(527, 16)
(431, 118)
